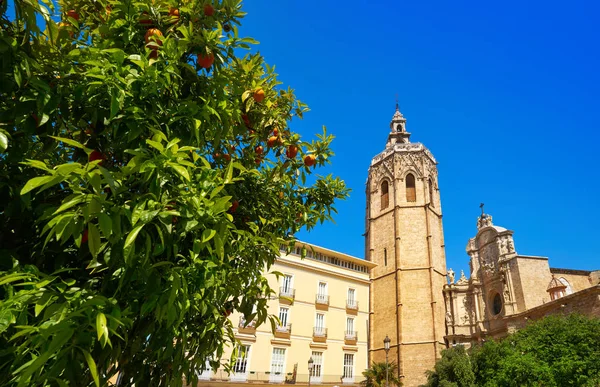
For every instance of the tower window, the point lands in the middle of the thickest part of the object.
(385, 197)
(431, 202)
(385, 257)
(411, 194)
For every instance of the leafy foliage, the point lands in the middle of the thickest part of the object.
(375, 376)
(141, 198)
(554, 351)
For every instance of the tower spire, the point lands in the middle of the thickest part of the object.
(398, 132)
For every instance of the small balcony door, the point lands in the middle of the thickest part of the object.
(241, 366)
(277, 366)
(351, 297)
(316, 376)
(286, 285)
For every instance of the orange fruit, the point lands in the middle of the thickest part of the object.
(205, 61)
(291, 151)
(153, 34)
(259, 95)
(145, 19)
(209, 10)
(72, 13)
(310, 160)
(272, 141)
(259, 150)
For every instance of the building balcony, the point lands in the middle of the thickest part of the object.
(319, 334)
(283, 331)
(244, 327)
(322, 301)
(352, 306)
(350, 337)
(287, 295)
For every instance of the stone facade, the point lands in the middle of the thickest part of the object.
(505, 289)
(404, 237)
(411, 300)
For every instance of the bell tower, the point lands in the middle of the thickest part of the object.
(404, 236)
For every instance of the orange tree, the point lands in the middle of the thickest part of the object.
(148, 177)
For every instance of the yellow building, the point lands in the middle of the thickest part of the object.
(322, 303)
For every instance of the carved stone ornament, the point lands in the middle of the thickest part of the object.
(484, 220)
(408, 162)
(468, 310)
(449, 319)
(462, 280)
(450, 275)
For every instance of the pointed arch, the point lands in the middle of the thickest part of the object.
(411, 193)
(385, 194)
(431, 201)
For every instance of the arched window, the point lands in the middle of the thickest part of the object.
(385, 257)
(385, 197)
(568, 289)
(411, 194)
(431, 202)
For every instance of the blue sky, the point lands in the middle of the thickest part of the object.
(505, 95)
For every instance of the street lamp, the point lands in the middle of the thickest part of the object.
(311, 363)
(386, 346)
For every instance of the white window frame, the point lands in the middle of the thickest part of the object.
(273, 377)
(354, 297)
(291, 282)
(323, 326)
(348, 369)
(287, 316)
(322, 296)
(317, 379)
(242, 376)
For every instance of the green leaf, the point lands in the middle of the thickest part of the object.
(72, 143)
(93, 239)
(14, 277)
(114, 105)
(70, 203)
(207, 235)
(156, 145)
(181, 171)
(35, 183)
(101, 328)
(105, 224)
(229, 173)
(3, 142)
(132, 235)
(92, 365)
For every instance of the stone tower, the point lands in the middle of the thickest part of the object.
(404, 237)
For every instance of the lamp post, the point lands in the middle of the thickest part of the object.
(311, 363)
(386, 346)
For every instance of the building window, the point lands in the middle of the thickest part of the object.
(385, 257)
(497, 304)
(278, 361)
(350, 326)
(320, 323)
(411, 194)
(286, 286)
(431, 202)
(241, 361)
(385, 197)
(283, 316)
(348, 366)
(317, 364)
(352, 297)
(322, 293)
